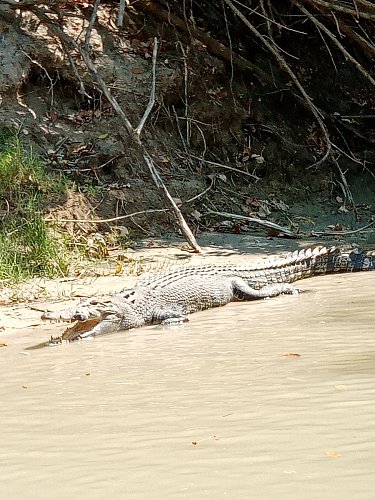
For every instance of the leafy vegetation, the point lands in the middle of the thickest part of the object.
(27, 247)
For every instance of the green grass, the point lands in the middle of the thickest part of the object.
(27, 247)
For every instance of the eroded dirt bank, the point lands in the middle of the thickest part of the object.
(227, 131)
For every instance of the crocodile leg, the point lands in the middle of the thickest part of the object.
(244, 291)
(169, 316)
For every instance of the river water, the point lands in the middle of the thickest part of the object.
(263, 400)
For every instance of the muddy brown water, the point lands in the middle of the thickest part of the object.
(262, 400)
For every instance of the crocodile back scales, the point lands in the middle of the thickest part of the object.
(294, 266)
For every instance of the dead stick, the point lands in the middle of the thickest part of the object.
(254, 220)
(86, 44)
(151, 101)
(182, 223)
(342, 233)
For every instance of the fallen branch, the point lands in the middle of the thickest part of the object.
(121, 13)
(342, 233)
(254, 220)
(151, 102)
(86, 45)
(366, 45)
(182, 223)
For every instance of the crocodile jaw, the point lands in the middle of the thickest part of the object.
(90, 328)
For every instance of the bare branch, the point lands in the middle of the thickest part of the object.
(25, 4)
(121, 13)
(367, 47)
(213, 46)
(86, 44)
(51, 82)
(112, 219)
(183, 225)
(227, 167)
(342, 233)
(90, 65)
(151, 102)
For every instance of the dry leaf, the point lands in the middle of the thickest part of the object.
(342, 209)
(263, 209)
(273, 233)
(197, 215)
(118, 268)
(205, 439)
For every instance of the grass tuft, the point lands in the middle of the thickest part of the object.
(27, 248)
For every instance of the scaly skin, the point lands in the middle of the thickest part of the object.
(170, 296)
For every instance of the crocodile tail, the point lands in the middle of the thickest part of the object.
(337, 260)
(362, 260)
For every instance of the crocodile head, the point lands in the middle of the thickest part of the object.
(97, 316)
(91, 318)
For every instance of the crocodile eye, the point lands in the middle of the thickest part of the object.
(80, 317)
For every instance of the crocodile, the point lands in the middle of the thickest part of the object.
(169, 296)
